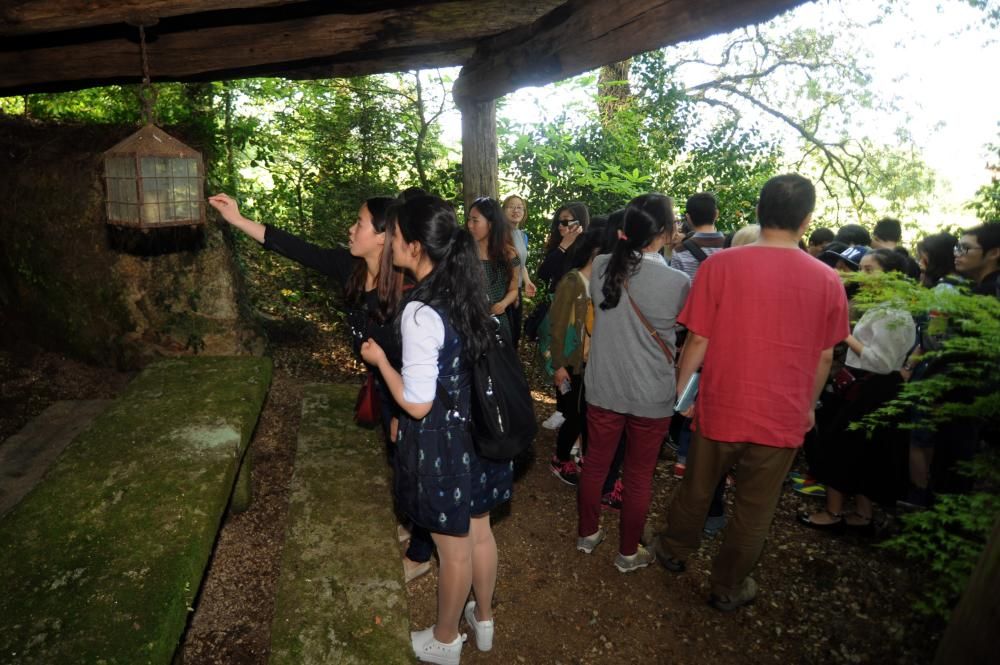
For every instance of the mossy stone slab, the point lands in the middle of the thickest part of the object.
(101, 562)
(341, 596)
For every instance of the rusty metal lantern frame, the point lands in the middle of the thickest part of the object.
(151, 179)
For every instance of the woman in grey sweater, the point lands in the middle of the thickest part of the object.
(630, 376)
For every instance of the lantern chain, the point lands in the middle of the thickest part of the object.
(147, 93)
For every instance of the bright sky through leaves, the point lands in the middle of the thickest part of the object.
(939, 60)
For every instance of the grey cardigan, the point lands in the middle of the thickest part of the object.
(628, 371)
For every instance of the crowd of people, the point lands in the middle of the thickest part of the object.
(640, 304)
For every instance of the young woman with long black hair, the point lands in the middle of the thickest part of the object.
(501, 264)
(372, 291)
(569, 349)
(569, 223)
(441, 482)
(629, 378)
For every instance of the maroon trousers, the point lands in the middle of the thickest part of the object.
(642, 447)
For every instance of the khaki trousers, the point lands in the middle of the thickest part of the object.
(760, 472)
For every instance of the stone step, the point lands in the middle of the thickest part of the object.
(102, 561)
(26, 456)
(341, 595)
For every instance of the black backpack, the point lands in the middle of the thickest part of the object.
(503, 415)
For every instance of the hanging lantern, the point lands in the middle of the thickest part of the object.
(152, 180)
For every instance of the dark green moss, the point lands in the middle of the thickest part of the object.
(100, 563)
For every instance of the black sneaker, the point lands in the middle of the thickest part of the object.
(566, 471)
(613, 500)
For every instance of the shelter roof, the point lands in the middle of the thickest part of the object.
(52, 45)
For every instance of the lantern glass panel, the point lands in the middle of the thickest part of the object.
(121, 188)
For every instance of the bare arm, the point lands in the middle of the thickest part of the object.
(230, 212)
(509, 298)
(529, 287)
(854, 344)
(374, 355)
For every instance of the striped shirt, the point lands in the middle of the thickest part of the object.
(685, 261)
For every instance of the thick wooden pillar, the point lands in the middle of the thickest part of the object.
(479, 149)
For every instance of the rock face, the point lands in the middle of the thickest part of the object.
(70, 282)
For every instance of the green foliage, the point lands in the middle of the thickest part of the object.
(986, 203)
(311, 152)
(814, 84)
(948, 539)
(649, 143)
(966, 333)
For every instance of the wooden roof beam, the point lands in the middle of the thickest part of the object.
(29, 17)
(582, 35)
(408, 35)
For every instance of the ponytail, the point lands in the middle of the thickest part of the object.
(646, 217)
(455, 283)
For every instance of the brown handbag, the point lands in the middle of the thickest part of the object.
(366, 408)
(649, 327)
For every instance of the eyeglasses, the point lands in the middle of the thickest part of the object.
(961, 249)
(567, 222)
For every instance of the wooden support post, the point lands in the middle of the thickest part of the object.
(971, 634)
(479, 149)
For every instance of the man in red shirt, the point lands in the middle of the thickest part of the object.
(763, 320)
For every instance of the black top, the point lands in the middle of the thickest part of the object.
(338, 264)
(553, 267)
(990, 286)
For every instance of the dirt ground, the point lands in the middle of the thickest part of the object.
(823, 599)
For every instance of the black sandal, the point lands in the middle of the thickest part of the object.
(837, 525)
(865, 527)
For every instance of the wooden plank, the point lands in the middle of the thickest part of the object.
(586, 34)
(102, 561)
(27, 456)
(27, 17)
(419, 31)
(340, 595)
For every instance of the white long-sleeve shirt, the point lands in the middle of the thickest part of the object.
(887, 334)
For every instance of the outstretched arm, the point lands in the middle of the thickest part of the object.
(336, 262)
(230, 212)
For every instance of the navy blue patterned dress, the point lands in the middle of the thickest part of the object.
(440, 481)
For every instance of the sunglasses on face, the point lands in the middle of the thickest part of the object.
(568, 222)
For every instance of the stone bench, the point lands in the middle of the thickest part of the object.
(341, 596)
(102, 561)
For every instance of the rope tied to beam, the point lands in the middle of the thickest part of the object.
(147, 93)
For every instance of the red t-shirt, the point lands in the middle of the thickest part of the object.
(767, 312)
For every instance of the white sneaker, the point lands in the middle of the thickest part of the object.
(586, 544)
(429, 650)
(483, 630)
(641, 559)
(554, 421)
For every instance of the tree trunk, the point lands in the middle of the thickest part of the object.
(613, 90)
(971, 634)
(479, 150)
